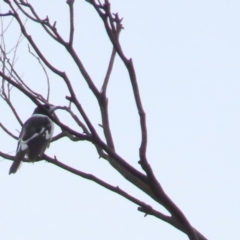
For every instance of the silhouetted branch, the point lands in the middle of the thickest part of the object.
(9, 103)
(6, 14)
(44, 22)
(109, 70)
(57, 137)
(71, 13)
(77, 120)
(143, 206)
(104, 103)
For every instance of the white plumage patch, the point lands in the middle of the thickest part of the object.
(47, 135)
(52, 130)
(23, 146)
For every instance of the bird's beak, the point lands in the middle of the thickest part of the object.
(53, 108)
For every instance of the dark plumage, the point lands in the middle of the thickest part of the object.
(35, 136)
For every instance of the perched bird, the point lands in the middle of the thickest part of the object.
(35, 135)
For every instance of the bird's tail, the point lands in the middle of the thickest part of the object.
(17, 162)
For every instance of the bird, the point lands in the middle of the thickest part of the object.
(35, 135)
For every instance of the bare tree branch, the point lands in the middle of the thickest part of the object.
(6, 14)
(71, 12)
(143, 207)
(44, 22)
(104, 103)
(78, 121)
(109, 70)
(57, 137)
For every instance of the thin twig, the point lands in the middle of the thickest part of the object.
(6, 28)
(77, 120)
(14, 111)
(45, 71)
(8, 132)
(6, 14)
(109, 70)
(13, 73)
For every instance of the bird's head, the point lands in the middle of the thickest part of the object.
(46, 109)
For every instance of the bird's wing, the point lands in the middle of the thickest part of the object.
(37, 126)
(34, 127)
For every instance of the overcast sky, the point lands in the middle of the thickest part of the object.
(187, 57)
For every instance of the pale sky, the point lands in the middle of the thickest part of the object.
(187, 57)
